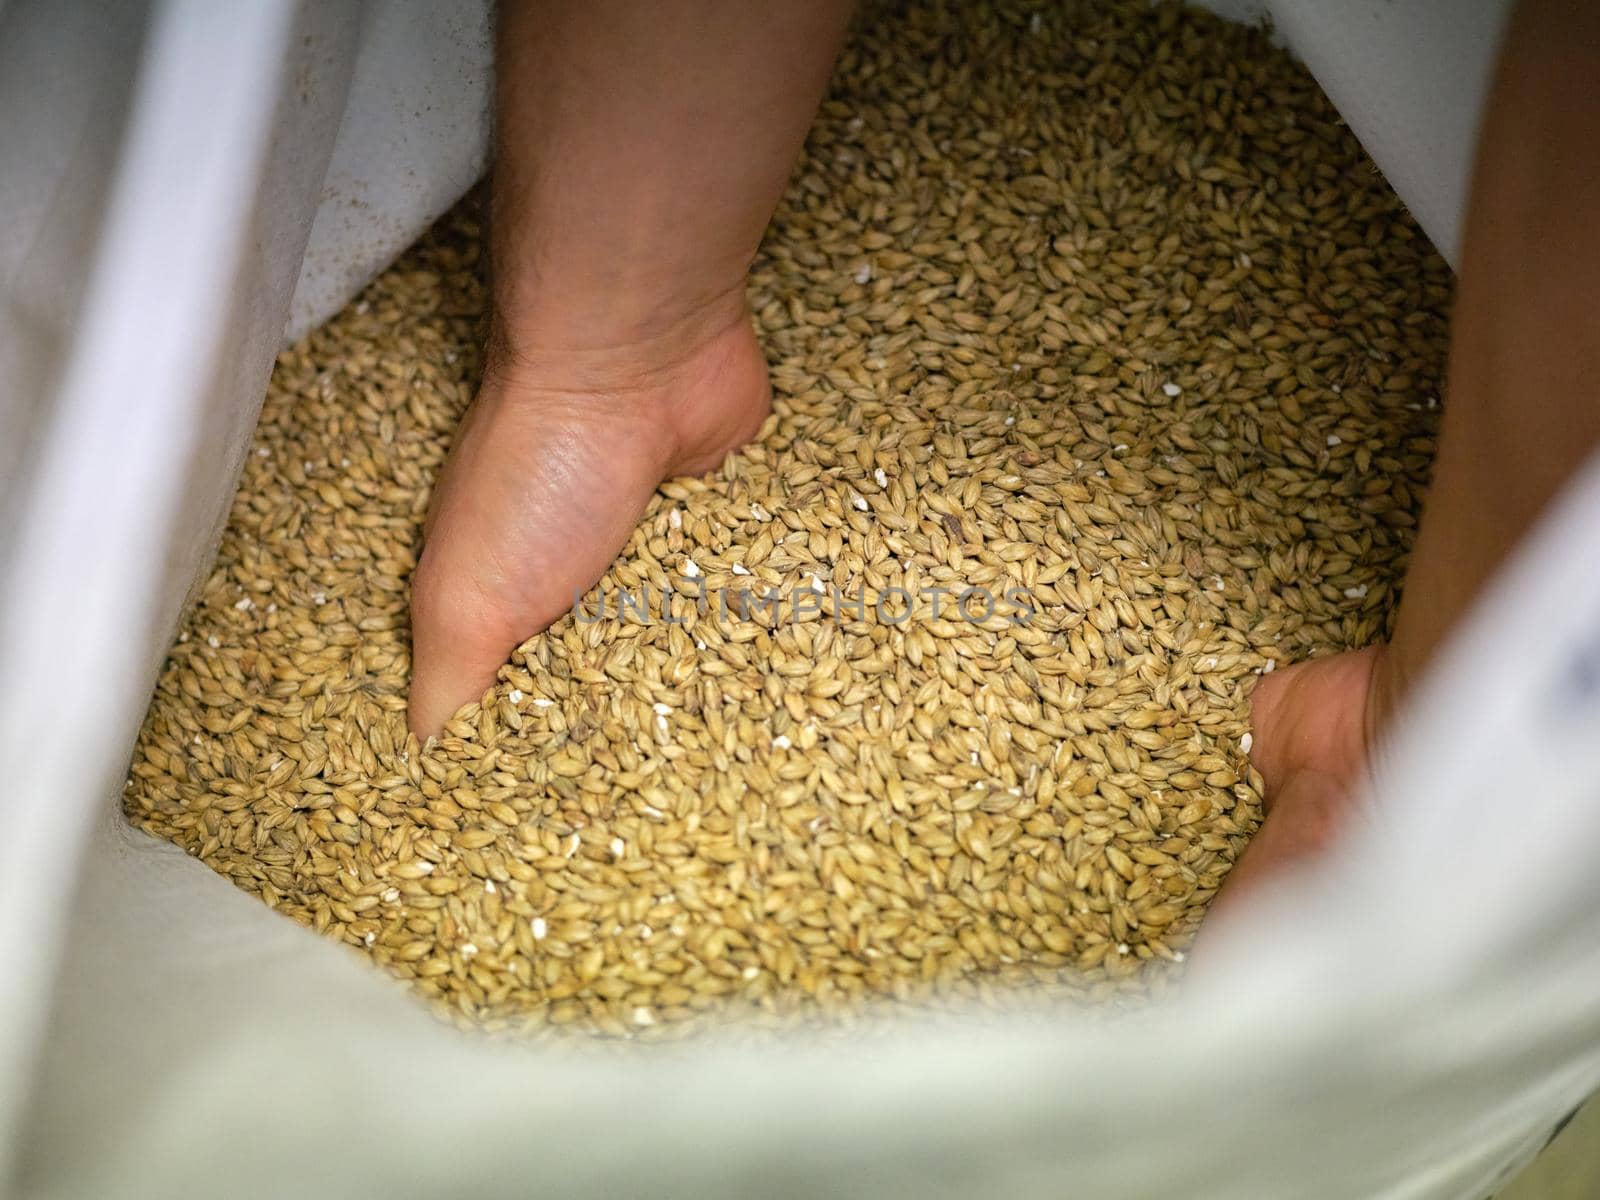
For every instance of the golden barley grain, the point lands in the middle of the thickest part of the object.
(1107, 307)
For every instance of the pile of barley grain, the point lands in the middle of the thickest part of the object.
(1098, 301)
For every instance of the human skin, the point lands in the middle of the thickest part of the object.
(1522, 413)
(640, 150)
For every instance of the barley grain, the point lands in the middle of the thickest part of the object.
(1107, 308)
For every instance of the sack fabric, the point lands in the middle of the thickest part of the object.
(185, 184)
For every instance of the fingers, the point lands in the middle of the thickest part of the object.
(1307, 816)
(458, 643)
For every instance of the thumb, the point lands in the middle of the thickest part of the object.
(458, 641)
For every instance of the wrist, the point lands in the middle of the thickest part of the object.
(587, 343)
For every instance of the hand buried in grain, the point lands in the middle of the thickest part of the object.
(1520, 419)
(640, 151)
(1312, 727)
(548, 476)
